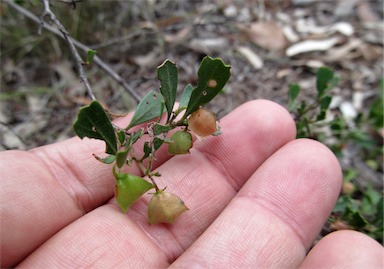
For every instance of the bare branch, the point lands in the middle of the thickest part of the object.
(79, 45)
(50, 15)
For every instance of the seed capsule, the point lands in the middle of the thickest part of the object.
(165, 207)
(181, 143)
(202, 122)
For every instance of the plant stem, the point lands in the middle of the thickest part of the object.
(147, 171)
(81, 46)
(154, 183)
(48, 13)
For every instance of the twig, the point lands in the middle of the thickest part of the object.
(49, 14)
(81, 46)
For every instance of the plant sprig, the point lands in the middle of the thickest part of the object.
(93, 122)
(357, 208)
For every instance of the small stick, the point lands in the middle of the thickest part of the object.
(48, 13)
(83, 47)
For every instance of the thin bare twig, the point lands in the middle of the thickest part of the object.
(50, 15)
(81, 46)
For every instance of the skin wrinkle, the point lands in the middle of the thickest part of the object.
(342, 247)
(148, 231)
(56, 166)
(31, 210)
(271, 209)
(268, 257)
(171, 236)
(74, 243)
(273, 124)
(240, 248)
(137, 214)
(267, 151)
(174, 256)
(219, 167)
(215, 161)
(230, 247)
(308, 168)
(294, 153)
(152, 238)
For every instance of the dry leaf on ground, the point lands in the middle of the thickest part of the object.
(312, 45)
(251, 56)
(267, 35)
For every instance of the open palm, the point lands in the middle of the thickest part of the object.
(258, 198)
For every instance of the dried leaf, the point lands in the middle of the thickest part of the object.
(365, 12)
(312, 45)
(251, 56)
(342, 52)
(268, 35)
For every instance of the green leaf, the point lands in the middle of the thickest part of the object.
(157, 142)
(376, 113)
(350, 174)
(324, 79)
(324, 104)
(293, 93)
(369, 201)
(135, 136)
(379, 219)
(147, 150)
(354, 218)
(159, 129)
(213, 74)
(342, 204)
(129, 188)
(185, 96)
(93, 122)
(107, 160)
(149, 107)
(168, 76)
(90, 54)
(321, 116)
(121, 137)
(121, 157)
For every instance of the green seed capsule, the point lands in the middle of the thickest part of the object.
(181, 143)
(165, 207)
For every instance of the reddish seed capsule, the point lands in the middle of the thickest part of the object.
(202, 122)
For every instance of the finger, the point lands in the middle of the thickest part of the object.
(206, 179)
(275, 217)
(47, 188)
(345, 249)
(103, 238)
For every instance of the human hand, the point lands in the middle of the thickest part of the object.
(258, 198)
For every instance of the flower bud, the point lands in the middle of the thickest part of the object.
(181, 143)
(202, 122)
(165, 207)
